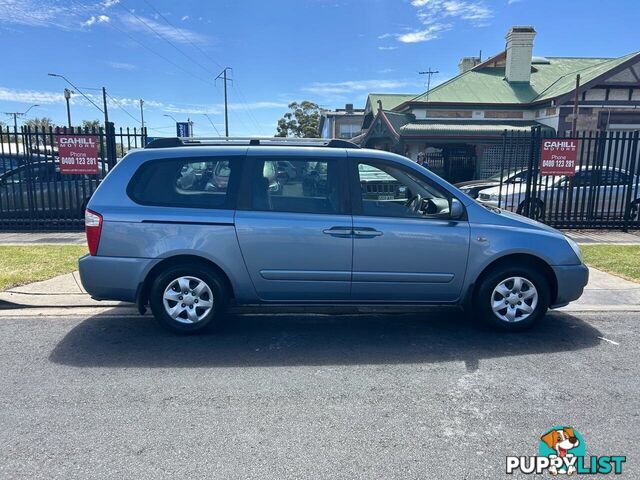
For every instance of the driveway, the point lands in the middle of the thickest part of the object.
(421, 395)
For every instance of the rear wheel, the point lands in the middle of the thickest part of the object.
(512, 298)
(536, 209)
(188, 298)
(634, 212)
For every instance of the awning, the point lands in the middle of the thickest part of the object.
(444, 128)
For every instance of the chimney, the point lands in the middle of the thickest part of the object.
(349, 108)
(519, 52)
(467, 63)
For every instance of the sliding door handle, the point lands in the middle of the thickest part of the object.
(338, 231)
(366, 232)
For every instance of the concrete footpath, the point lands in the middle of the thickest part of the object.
(605, 292)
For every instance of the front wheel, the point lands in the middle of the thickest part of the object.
(188, 298)
(536, 209)
(512, 298)
(634, 212)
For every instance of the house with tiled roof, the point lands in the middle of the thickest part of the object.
(460, 124)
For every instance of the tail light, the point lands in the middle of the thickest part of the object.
(93, 228)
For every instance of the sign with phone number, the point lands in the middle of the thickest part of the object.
(558, 156)
(78, 154)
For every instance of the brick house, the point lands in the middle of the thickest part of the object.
(460, 123)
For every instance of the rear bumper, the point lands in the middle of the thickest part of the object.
(571, 282)
(113, 278)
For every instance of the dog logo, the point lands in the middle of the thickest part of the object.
(562, 443)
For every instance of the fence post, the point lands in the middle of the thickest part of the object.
(632, 175)
(527, 196)
(110, 143)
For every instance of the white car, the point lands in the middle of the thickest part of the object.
(592, 191)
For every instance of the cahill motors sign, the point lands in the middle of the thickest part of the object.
(78, 154)
(558, 156)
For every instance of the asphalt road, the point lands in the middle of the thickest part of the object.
(421, 396)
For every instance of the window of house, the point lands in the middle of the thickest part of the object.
(179, 182)
(348, 130)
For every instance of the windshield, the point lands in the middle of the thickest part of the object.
(515, 175)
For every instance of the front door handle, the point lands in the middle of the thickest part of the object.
(366, 232)
(342, 232)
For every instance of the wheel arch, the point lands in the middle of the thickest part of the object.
(143, 290)
(516, 259)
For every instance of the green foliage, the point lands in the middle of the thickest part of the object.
(40, 123)
(91, 124)
(302, 121)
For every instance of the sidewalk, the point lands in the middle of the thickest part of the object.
(614, 237)
(604, 292)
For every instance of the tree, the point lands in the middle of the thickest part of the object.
(42, 125)
(302, 121)
(91, 124)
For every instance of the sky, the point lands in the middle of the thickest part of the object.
(331, 52)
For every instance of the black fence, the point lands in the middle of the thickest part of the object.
(38, 191)
(602, 191)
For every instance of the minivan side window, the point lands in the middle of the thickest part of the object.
(297, 186)
(184, 182)
(387, 190)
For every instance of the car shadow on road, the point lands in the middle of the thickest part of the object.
(299, 339)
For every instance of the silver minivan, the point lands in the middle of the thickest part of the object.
(189, 227)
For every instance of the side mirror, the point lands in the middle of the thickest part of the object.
(456, 209)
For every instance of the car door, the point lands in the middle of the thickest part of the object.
(296, 237)
(401, 254)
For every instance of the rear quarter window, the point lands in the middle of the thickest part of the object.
(185, 182)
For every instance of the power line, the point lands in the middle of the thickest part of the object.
(161, 36)
(122, 108)
(245, 106)
(197, 77)
(182, 34)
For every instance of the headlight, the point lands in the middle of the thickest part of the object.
(575, 247)
(494, 197)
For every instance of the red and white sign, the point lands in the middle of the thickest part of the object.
(558, 156)
(78, 154)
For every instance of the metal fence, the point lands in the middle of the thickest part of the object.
(35, 194)
(603, 191)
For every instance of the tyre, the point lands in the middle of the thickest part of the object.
(512, 298)
(188, 298)
(536, 211)
(634, 212)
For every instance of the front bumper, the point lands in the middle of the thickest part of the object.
(113, 278)
(571, 281)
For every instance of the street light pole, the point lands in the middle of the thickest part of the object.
(104, 102)
(67, 97)
(141, 113)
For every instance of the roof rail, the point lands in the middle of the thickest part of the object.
(250, 141)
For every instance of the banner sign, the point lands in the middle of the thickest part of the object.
(558, 156)
(78, 154)
(183, 129)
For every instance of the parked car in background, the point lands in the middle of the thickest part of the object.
(39, 186)
(598, 192)
(474, 187)
(188, 251)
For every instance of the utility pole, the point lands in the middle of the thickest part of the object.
(223, 74)
(104, 103)
(15, 116)
(574, 125)
(429, 73)
(141, 113)
(67, 97)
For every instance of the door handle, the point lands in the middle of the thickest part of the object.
(366, 232)
(338, 231)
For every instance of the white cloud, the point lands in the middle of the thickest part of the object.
(110, 3)
(35, 13)
(93, 19)
(175, 34)
(184, 18)
(438, 16)
(29, 96)
(122, 65)
(329, 88)
(430, 33)
(383, 48)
